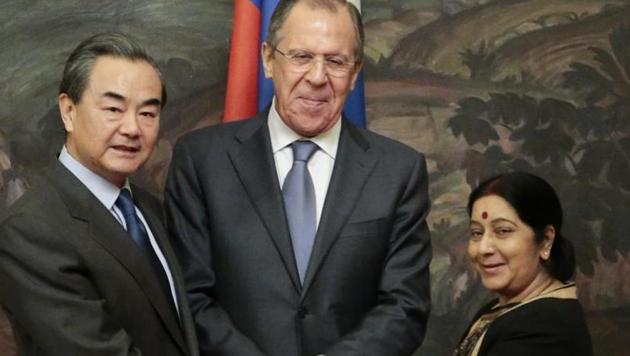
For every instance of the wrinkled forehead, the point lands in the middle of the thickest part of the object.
(306, 14)
(318, 27)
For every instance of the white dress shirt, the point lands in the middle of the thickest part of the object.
(107, 193)
(321, 164)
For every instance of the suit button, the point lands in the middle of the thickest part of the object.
(302, 312)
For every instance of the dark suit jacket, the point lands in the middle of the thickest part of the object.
(73, 282)
(366, 291)
(545, 327)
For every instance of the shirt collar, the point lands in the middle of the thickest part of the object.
(282, 135)
(101, 188)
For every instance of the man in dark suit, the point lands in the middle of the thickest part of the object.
(300, 234)
(85, 264)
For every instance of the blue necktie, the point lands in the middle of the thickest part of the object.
(138, 233)
(299, 203)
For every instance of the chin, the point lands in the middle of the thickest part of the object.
(125, 169)
(493, 285)
(309, 120)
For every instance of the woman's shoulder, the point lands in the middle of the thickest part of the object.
(545, 310)
(543, 324)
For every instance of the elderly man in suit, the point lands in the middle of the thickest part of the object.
(85, 264)
(298, 233)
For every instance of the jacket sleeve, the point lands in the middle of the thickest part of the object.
(396, 325)
(190, 233)
(49, 297)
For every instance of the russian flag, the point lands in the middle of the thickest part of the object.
(248, 91)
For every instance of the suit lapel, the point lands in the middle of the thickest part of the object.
(253, 161)
(173, 322)
(353, 165)
(110, 235)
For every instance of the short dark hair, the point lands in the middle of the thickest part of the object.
(537, 204)
(78, 68)
(284, 7)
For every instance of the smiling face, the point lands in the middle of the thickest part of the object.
(113, 128)
(311, 102)
(504, 251)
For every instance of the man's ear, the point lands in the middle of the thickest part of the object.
(355, 74)
(68, 111)
(267, 59)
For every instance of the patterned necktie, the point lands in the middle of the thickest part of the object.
(139, 234)
(299, 203)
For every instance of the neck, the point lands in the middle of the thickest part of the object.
(542, 284)
(114, 179)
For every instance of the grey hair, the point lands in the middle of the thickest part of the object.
(284, 7)
(78, 68)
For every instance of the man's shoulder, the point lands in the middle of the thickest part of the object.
(52, 194)
(36, 198)
(383, 144)
(220, 133)
(41, 203)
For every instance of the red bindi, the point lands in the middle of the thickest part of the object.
(484, 215)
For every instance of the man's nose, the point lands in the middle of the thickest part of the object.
(129, 125)
(316, 75)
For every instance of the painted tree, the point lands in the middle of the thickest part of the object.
(581, 147)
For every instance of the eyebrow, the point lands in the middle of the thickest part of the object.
(119, 97)
(499, 220)
(494, 221)
(152, 102)
(298, 50)
(112, 95)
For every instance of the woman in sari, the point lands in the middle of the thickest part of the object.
(517, 247)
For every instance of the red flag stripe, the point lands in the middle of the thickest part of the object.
(242, 84)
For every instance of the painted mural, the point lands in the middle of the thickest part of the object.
(479, 86)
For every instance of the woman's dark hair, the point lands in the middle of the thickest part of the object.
(537, 204)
